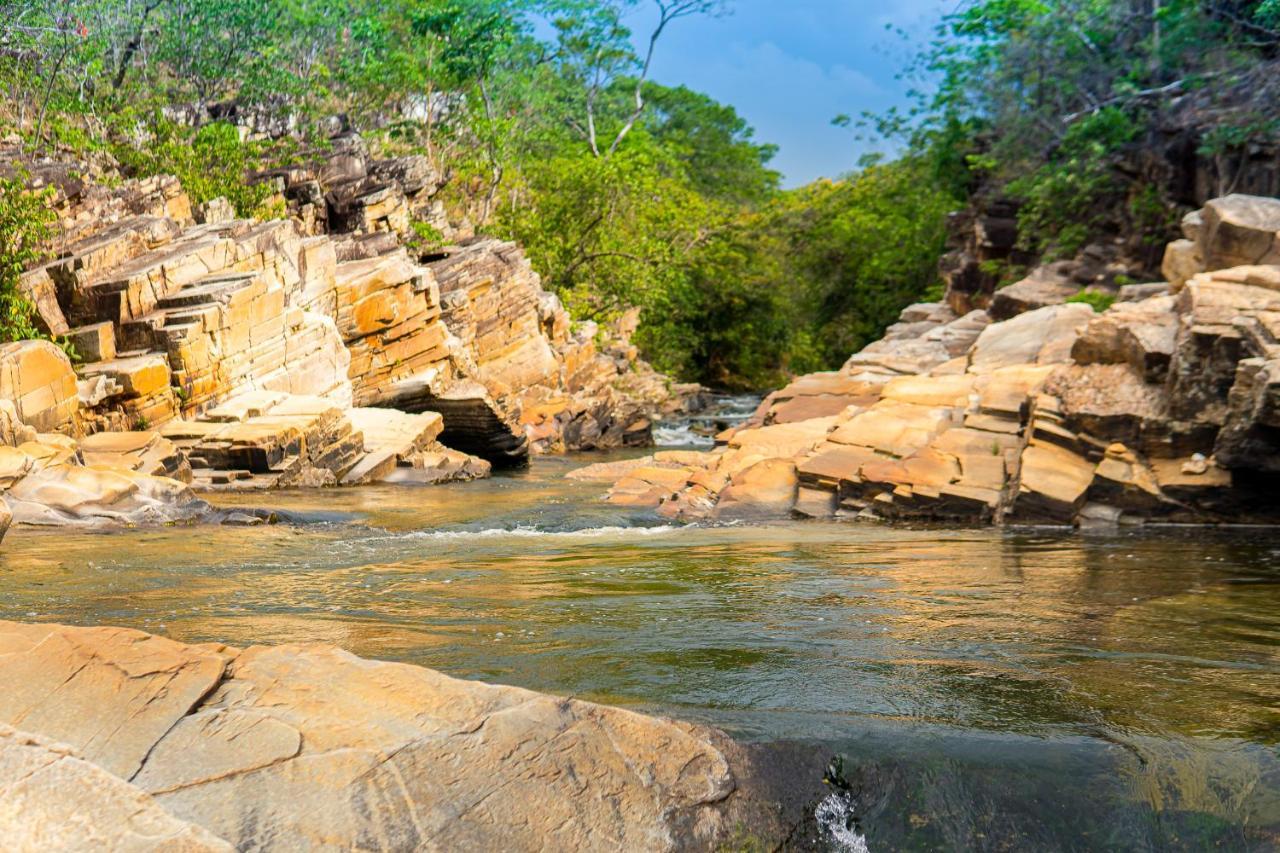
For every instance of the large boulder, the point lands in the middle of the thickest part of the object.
(1042, 336)
(1141, 334)
(1051, 284)
(1182, 260)
(1240, 229)
(12, 430)
(37, 378)
(1052, 486)
(64, 494)
(311, 748)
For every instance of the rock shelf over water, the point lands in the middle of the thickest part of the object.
(1032, 409)
(159, 745)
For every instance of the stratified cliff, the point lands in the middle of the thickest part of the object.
(1035, 409)
(309, 350)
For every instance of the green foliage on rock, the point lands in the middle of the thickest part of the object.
(26, 224)
(1095, 299)
(627, 193)
(1059, 93)
(212, 162)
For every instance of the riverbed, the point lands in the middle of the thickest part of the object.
(979, 688)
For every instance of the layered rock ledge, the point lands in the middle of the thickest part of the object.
(1033, 409)
(159, 745)
(317, 349)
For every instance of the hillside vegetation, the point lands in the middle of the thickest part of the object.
(543, 119)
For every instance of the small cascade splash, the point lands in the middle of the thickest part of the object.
(836, 815)
(698, 430)
(838, 825)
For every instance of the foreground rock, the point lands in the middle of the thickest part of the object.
(51, 799)
(311, 748)
(1165, 407)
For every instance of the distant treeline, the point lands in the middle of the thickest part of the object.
(544, 120)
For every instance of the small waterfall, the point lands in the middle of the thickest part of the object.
(698, 430)
(838, 823)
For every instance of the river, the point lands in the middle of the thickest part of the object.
(979, 689)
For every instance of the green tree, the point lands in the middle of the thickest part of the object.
(26, 224)
(714, 143)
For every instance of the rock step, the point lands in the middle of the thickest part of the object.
(217, 288)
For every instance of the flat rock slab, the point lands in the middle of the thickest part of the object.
(311, 748)
(51, 799)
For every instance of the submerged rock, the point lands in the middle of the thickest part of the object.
(310, 748)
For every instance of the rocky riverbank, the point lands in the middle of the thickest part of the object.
(1028, 407)
(322, 348)
(117, 739)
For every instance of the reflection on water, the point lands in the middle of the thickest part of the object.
(1128, 680)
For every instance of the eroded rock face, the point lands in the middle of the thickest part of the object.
(311, 748)
(79, 496)
(37, 379)
(1166, 406)
(246, 345)
(1240, 229)
(51, 799)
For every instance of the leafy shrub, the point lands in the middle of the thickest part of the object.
(26, 224)
(1095, 299)
(426, 238)
(212, 162)
(1067, 199)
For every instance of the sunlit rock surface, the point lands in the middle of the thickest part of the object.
(1161, 408)
(311, 748)
(51, 799)
(231, 353)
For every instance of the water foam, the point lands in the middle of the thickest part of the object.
(680, 435)
(523, 531)
(836, 819)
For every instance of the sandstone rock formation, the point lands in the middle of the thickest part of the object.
(51, 799)
(1161, 408)
(232, 353)
(984, 259)
(311, 748)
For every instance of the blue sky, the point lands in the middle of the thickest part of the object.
(790, 66)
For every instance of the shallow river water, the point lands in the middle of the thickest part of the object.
(980, 689)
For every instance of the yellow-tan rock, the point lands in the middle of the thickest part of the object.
(311, 748)
(51, 799)
(37, 378)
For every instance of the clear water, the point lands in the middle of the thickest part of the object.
(982, 689)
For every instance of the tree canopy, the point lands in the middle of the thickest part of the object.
(543, 117)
